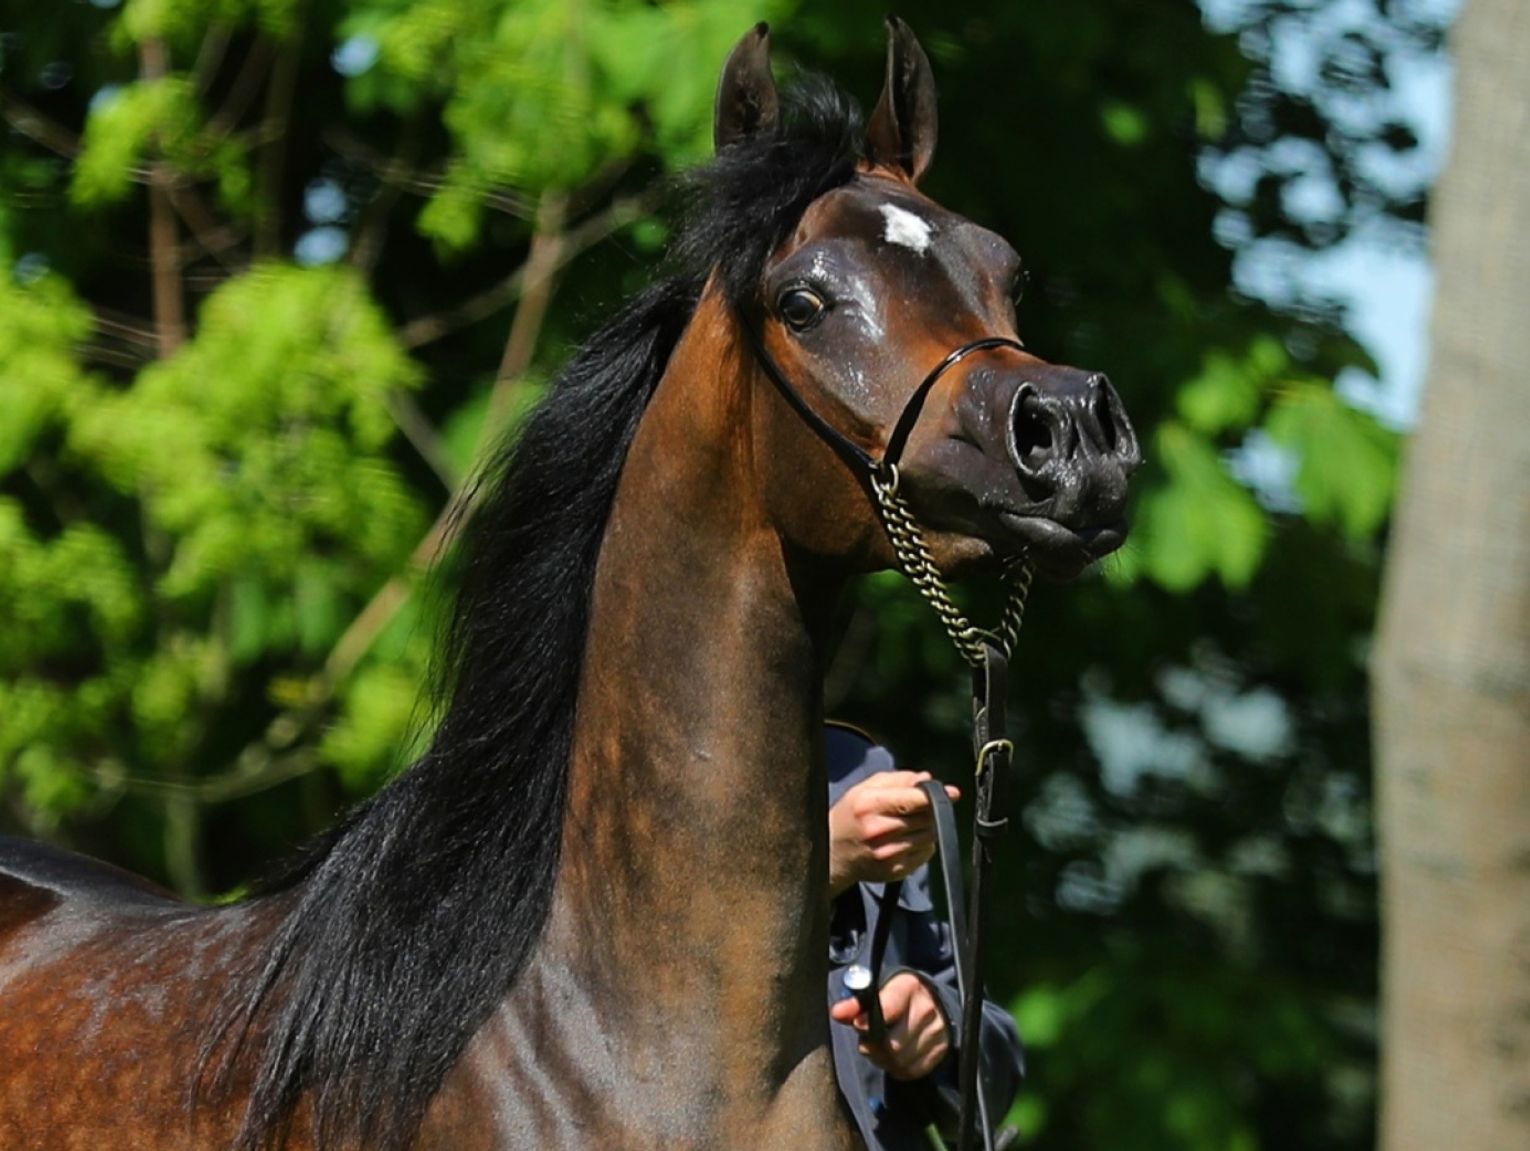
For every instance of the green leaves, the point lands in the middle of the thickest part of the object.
(76, 591)
(1194, 520)
(371, 739)
(40, 322)
(181, 21)
(70, 610)
(1124, 123)
(262, 441)
(123, 127)
(1211, 1035)
(1198, 522)
(1346, 461)
(146, 121)
(547, 95)
(1231, 389)
(260, 456)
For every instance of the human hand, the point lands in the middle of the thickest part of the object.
(917, 1035)
(882, 829)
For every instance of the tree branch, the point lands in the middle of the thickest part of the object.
(426, 329)
(183, 842)
(258, 770)
(351, 148)
(35, 126)
(124, 327)
(210, 55)
(542, 263)
(242, 93)
(113, 357)
(213, 239)
(372, 227)
(164, 253)
(273, 147)
(418, 431)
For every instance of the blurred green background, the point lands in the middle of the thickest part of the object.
(273, 271)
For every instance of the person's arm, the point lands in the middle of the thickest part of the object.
(880, 830)
(932, 959)
(919, 1029)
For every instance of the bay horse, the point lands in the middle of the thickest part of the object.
(594, 913)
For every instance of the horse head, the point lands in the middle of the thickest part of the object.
(889, 324)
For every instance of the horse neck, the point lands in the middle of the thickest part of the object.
(692, 900)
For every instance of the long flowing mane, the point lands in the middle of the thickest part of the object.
(402, 930)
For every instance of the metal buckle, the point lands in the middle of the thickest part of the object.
(993, 745)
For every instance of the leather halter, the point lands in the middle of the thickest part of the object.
(992, 749)
(860, 460)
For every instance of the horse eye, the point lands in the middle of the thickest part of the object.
(801, 308)
(1018, 285)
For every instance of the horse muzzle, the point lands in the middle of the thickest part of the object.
(1057, 451)
(1072, 444)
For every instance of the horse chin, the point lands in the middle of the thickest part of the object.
(1056, 551)
(1059, 551)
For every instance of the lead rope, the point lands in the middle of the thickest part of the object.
(987, 652)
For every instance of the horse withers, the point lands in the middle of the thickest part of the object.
(594, 913)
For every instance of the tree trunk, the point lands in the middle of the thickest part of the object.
(1452, 671)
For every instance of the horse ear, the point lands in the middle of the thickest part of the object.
(903, 127)
(746, 94)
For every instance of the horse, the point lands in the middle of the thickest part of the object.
(593, 914)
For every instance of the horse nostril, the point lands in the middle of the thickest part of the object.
(1103, 412)
(1033, 435)
(1116, 436)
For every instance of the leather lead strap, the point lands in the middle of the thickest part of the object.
(994, 754)
(871, 1003)
(990, 690)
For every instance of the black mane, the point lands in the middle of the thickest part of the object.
(402, 930)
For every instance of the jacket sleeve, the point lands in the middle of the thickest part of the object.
(929, 955)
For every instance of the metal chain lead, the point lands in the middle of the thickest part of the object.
(914, 556)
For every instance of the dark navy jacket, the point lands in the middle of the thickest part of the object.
(893, 1115)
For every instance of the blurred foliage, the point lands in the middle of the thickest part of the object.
(210, 547)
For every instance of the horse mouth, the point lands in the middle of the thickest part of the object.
(1056, 550)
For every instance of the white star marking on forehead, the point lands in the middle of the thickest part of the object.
(906, 229)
